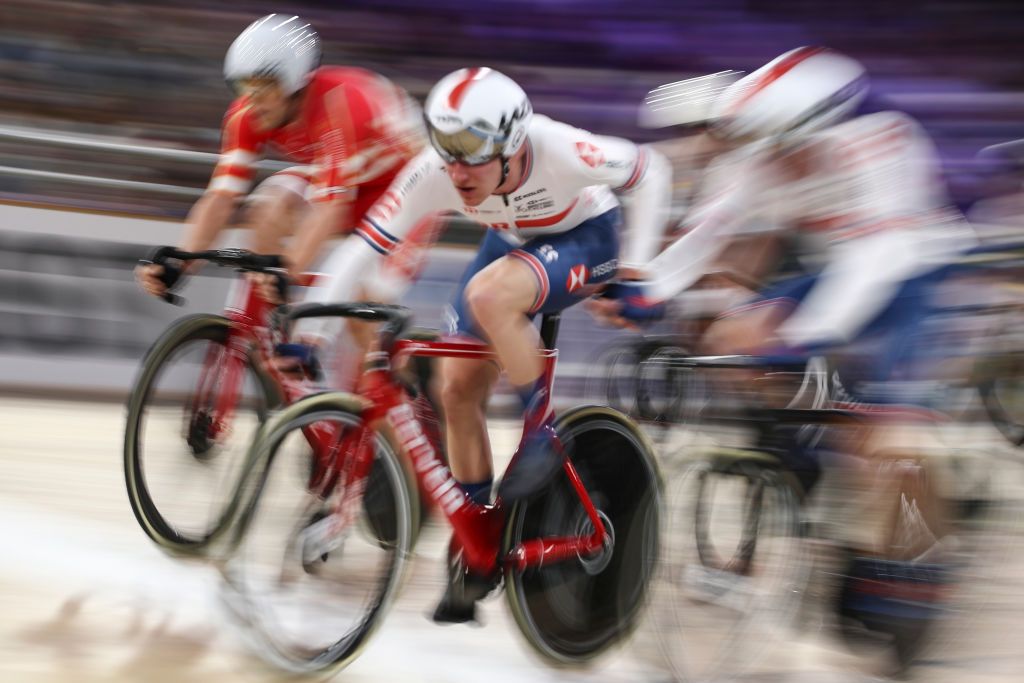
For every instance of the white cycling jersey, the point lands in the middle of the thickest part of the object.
(570, 175)
(865, 194)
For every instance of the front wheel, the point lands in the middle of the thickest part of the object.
(574, 610)
(184, 454)
(310, 580)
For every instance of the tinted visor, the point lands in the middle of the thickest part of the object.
(467, 146)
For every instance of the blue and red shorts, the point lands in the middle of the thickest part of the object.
(565, 266)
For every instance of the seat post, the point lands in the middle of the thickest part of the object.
(549, 329)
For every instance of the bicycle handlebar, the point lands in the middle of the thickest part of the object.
(395, 318)
(236, 258)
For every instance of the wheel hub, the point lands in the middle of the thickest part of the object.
(595, 563)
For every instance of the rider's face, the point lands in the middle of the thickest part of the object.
(269, 103)
(475, 183)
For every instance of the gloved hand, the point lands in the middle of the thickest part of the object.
(635, 305)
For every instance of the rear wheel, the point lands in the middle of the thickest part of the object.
(308, 583)
(183, 461)
(572, 611)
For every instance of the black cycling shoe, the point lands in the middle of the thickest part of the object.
(533, 467)
(458, 604)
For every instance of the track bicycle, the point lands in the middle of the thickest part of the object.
(576, 559)
(203, 389)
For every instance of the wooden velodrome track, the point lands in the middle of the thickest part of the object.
(84, 596)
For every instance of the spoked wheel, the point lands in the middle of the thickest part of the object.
(734, 565)
(735, 552)
(669, 391)
(572, 611)
(310, 579)
(611, 378)
(183, 456)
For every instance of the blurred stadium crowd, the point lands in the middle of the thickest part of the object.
(149, 71)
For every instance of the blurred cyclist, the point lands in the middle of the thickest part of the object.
(351, 129)
(861, 196)
(546, 193)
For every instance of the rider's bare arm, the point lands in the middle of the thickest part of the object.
(317, 227)
(728, 202)
(207, 219)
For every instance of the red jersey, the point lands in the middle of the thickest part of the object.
(354, 127)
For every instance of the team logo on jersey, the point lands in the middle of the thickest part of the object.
(591, 155)
(577, 278)
(548, 253)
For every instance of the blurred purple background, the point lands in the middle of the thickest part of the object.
(151, 70)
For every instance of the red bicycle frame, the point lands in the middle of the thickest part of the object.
(220, 380)
(477, 527)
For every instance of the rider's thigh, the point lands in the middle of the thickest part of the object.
(273, 215)
(745, 329)
(506, 286)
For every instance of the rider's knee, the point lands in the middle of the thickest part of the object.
(485, 298)
(460, 386)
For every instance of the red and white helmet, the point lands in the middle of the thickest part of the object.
(280, 46)
(476, 115)
(802, 91)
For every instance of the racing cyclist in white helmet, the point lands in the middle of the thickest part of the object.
(546, 194)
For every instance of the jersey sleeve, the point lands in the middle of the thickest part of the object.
(400, 227)
(727, 202)
(241, 146)
(641, 177)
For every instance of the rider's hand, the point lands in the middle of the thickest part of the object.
(156, 279)
(271, 286)
(606, 312)
(627, 304)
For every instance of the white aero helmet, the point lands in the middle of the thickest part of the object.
(802, 91)
(476, 115)
(280, 46)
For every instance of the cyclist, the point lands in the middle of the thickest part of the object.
(350, 129)
(546, 193)
(859, 192)
(861, 195)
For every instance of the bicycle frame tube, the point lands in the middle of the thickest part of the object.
(222, 375)
(477, 527)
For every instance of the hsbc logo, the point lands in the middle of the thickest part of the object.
(577, 278)
(606, 268)
(590, 154)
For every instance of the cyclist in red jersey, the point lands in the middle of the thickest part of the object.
(351, 129)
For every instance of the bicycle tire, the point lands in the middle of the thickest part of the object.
(255, 615)
(572, 611)
(154, 522)
(757, 475)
